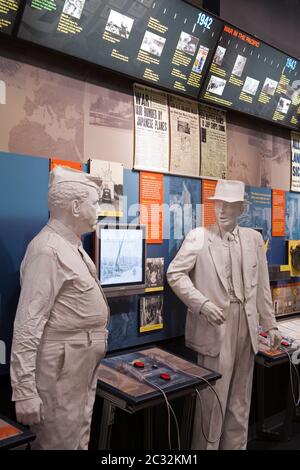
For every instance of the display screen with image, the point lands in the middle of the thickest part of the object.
(9, 10)
(250, 76)
(165, 42)
(120, 256)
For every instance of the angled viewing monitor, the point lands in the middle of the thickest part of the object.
(120, 258)
(164, 42)
(250, 76)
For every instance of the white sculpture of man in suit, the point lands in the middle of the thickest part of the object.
(221, 274)
(60, 330)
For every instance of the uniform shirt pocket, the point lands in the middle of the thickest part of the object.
(254, 275)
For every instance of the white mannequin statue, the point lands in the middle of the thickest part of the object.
(221, 274)
(60, 330)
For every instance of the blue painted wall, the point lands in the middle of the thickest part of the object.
(23, 212)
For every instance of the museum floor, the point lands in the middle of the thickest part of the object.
(292, 444)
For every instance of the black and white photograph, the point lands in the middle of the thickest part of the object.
(283, 105)
(292, 91)
(153, 43)
(121, 257)
(216, 85)
(74, 8)
(183, 126)
(185, 144)
(110, 108)
(219, 55)
(239, 65)
(200, 59)
(269, 86)
(250, 86)
(111, 190)
(187, 43)
(119, 24)
(151, 313)
(154, 272)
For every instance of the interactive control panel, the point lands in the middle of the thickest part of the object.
(151, 369)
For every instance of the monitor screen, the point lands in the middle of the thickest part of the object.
(120, 257)
(164, 42)
(250, 76)
(9, 10)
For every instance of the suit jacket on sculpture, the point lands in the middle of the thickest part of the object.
(197, 274)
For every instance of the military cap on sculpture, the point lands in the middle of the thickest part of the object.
(62, 174)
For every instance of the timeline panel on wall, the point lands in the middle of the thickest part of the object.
(164, 42)
(250, 76)
(9, 10)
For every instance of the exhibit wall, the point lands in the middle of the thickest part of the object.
(53, 107)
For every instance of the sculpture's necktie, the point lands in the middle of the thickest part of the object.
(236, 267)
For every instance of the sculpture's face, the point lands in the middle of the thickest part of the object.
(227, 214)
(88, 212)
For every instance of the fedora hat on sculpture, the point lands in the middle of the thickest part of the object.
(229, 191)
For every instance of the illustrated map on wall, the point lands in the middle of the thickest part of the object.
(43, 113)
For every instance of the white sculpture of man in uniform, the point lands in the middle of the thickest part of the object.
(221, 274)
(60, 330)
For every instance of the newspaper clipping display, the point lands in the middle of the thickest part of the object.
(151, 150)
(213, 142)
(185, 142)
(295, 166)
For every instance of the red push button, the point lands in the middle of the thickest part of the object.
(165, 376)
(139, 364)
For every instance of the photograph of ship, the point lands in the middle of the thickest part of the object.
(111, 187)
(121, 257)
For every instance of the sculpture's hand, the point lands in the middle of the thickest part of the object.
(213, 314)
(275, 338)
(30, 411)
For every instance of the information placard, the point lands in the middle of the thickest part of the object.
(164, 42)
(250, 76)
(9, 10)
